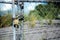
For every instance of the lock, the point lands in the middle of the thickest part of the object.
(21, 5)
(21, 18)
(16, 22)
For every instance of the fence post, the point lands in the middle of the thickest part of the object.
(14, 33)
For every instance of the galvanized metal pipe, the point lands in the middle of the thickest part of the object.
(14, 33)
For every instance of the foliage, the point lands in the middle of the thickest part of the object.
(26, 17)
(31, 19)
(6, 20)
(48, 11)
(35, 13)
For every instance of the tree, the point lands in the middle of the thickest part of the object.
(48, 11)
